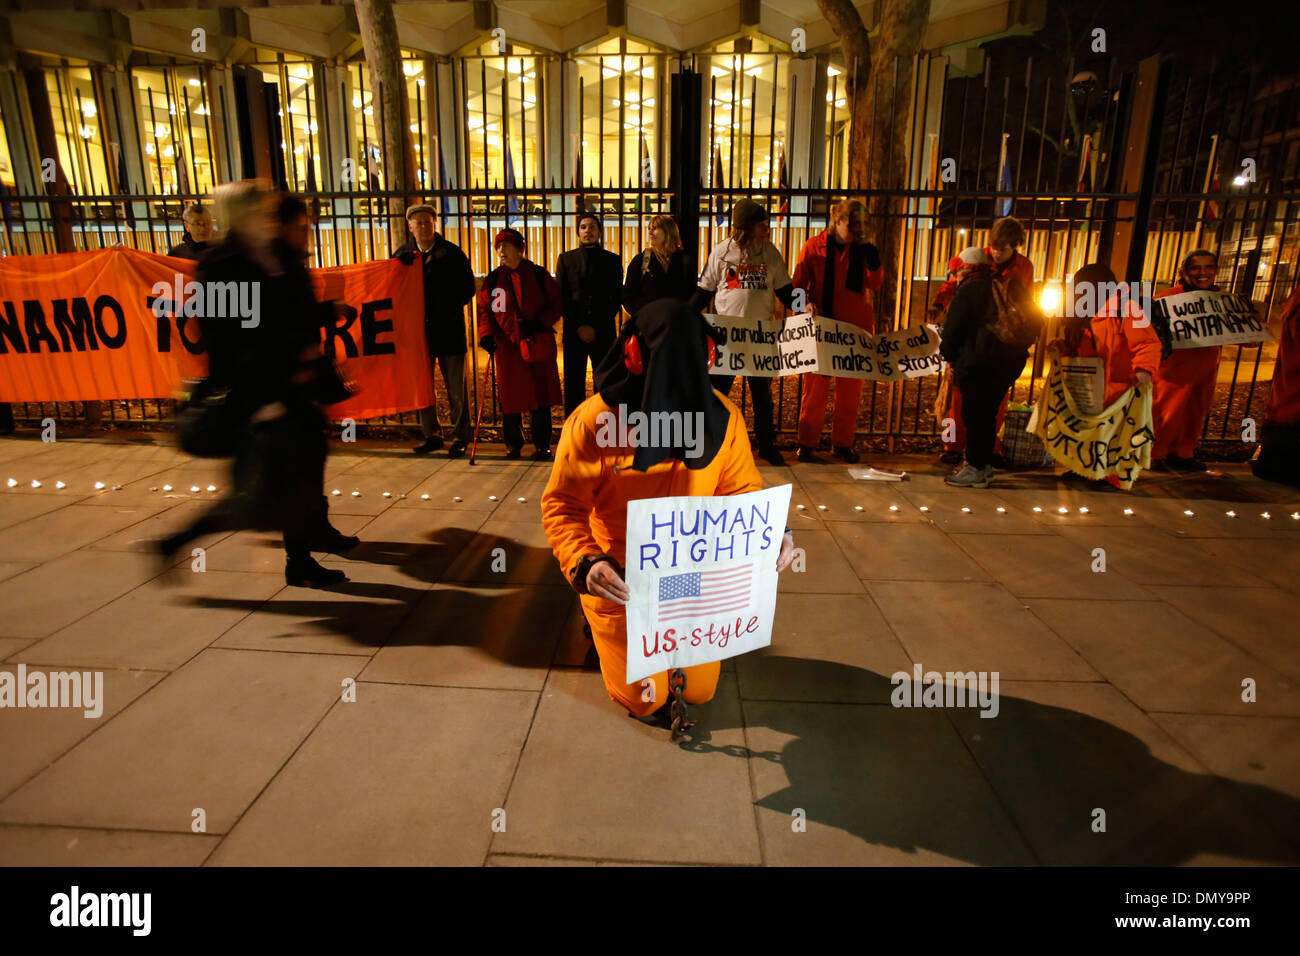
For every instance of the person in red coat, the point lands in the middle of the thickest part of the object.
(1184, 383)
(1279, 439)
(837, 269)
(1006, 236)
(518, 308)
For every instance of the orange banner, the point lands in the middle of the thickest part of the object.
(85, 326)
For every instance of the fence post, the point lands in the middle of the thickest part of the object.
(1128, 245)
(687, 93)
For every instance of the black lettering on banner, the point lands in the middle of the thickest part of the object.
(104, 304)
(337, 329)
(10, 330)
(37, 330)
(372, 328)
(75, 330)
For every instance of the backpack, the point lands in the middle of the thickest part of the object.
(1017, 318)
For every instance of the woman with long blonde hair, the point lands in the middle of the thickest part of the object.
(660, 271)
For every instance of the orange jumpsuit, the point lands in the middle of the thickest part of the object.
(847, 306)
(1127, 347)
(1017, 267)
(1184, 391)
(584, 511)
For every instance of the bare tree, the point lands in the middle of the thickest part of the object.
(393, 120)
(879, 79)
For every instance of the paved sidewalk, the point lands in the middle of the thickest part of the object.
(480, 733)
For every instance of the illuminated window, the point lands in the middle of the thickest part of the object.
(623, 86)
(173, 115)
(747, 102)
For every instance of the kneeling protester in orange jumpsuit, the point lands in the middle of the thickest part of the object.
(1184, 383)
(659, 364)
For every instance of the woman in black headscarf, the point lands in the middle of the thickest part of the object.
(658, 366)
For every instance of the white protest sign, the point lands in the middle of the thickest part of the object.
(1198, 319)
(814, 343)
(702, 575)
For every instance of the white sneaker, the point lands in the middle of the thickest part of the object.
(968, 476)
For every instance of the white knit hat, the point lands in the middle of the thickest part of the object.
(974, 256)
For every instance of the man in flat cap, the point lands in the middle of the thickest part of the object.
(448, 287)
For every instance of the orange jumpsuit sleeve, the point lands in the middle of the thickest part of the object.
(1143, 344)
(570, 495)
(738, 474)
(945, 293)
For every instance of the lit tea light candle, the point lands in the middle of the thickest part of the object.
(424, 497)
(1128, 511)
(388, 494)
(522, 499)
(857, 507)
(99, 485)
(1001, 510)
(11, 482)
(1265, 514)
(1063, 510)
(35, 483)
(893, 507)
(1231, 514)
(966, 510)
(492, 497)
(336, 492)
(212, 487)
(924, 508)
(456, 498)
(194, 488)
(821, 507)
(356, 494)
(1083, 511)
(1037, 508)
(1189, 512)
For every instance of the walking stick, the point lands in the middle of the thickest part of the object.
(487, 386)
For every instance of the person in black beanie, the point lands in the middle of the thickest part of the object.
(590, 293)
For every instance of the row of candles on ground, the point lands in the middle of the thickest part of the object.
(1038, 509)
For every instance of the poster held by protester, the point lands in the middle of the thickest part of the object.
(1202, 318)
(122, 324)
(814, 343)
(1115, 443)
(1085, 378)
(702, 575)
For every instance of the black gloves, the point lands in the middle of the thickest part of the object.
(488, 344)
(406, 258)
(871, 256)
(529, 327)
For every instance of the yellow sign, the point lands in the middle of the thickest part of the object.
(1114, 442)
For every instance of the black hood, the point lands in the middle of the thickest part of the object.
(673, 336)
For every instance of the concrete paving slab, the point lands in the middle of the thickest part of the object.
(77, 846)
(209, 736)
(32, 738)
(1157, 558)
(159, 625)
(904, 791)
(820, 647)
(1045, 566)
(47, 536)
(1261, 621)
(1059, 751)
(16, 508)
(1269, 561)
(964, 626)
(1164, 661)
(826, 569)
(456, 636)
(900, 552)
(10, 646)
(651, 800)
(41, 601)
(404, 776)
(507, 551)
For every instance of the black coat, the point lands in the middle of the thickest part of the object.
(590, 290)
(448, 287)
(648, 280)
(189, 249)
(968, 344)
(257, 362)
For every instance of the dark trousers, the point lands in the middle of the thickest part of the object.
(982, 390)
(761, 391)
(453, 376)
(539, 425)
(576, 355)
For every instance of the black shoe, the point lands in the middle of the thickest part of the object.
(335, 542)
(809, 456)
(457, 448)
(951, 458)
(514, 454)
(847, 454)
(771, 456)
(541, 454)
(1177, 463)
(432, 443)
(308, 573)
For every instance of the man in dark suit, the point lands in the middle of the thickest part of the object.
(591, 289)
(448, 286)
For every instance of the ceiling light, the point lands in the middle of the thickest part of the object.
(195, 83)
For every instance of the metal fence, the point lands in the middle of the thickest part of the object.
(1073, 207)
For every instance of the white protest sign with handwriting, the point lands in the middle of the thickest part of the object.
(814, 343)
(702, 575)
(1201, 318)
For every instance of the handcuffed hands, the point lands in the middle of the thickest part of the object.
(604, 582)
(787, 552)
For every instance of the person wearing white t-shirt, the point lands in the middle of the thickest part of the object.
(744, 276)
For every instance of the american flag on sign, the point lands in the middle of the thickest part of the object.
(703, 592)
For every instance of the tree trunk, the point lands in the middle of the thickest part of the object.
(879, 91)
(393, 121)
